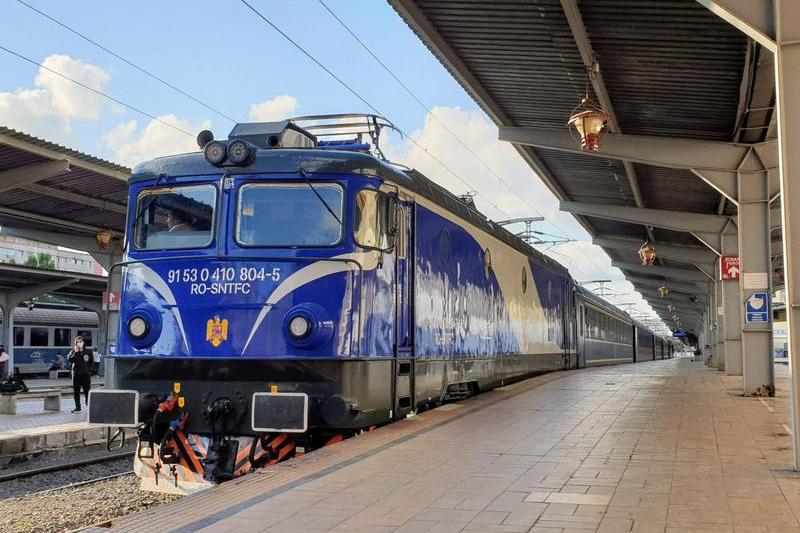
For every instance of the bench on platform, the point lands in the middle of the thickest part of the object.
(52, 400)
(56, 374)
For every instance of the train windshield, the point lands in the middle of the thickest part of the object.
(175, 217)
(286, 214)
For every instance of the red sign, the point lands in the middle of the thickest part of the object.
(729, 267)
(111, 301)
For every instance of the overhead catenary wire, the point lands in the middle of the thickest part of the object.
(362, 99)
(96, 91)
(127, 61)
(430, 112)
(355, 93)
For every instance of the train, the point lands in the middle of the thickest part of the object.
(42, 337)
(288, 287)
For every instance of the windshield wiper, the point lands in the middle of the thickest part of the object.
(146, 205)
(303, 175)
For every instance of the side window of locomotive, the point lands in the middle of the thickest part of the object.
(289, 214)
(175, 217)
(369, 225)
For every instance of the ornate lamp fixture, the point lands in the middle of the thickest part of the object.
(663, 291)
(587, 122)
(104, 237)
(670, 308)
(647, 253)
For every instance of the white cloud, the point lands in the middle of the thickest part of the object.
(131, 144)
(48, 109)
(278, 108)
(67, 98)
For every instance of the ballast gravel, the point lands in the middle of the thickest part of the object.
(71, 508)
(51, 480)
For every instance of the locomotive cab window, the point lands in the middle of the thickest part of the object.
(175, 217)
(289, 214)
(373, 215)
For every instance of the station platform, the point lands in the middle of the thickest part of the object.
(662, 446)
(33, 430)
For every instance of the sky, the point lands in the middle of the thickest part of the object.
(223, 55)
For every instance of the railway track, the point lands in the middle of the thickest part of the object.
(81, 483)
(21, 474)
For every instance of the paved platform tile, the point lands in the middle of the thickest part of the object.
(664, 446)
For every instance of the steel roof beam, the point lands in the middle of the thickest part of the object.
(680, 274)
(674, 296)
(659, 218)
(678, 308)
(688, 288)
(688, 254)
(718, 163)
(27, 174)
(670, 152)
(106, 257)
(754, 18)
(61, 194)
(66, 226)
(48, 153)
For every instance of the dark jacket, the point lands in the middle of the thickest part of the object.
(82, 362)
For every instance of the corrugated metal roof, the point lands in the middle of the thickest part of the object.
(670, 67)
(57, 204)
(41, 143)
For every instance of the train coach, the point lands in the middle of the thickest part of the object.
(43, 336)
(288, 287)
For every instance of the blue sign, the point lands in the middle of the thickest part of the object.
(757, 308)
(678, 334)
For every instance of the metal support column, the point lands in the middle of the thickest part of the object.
(718, 320)
(731, 312)
(787, 84)
(6, 338)
(754, 257)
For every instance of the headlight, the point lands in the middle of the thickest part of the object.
(214, 153)
(138, 327)
(240, 153)
(299, 327)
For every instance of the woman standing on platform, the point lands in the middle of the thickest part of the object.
(82, 360)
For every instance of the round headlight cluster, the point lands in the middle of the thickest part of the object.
(138, 327)
(299, 327)
(215, 153)
(241, 153)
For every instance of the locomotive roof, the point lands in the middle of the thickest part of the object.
(339, 162)
(272, 162)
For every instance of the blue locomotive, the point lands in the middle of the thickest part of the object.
(287, 287)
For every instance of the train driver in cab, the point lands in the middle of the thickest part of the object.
(178, 220)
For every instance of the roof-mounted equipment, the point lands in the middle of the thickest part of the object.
(280, 134)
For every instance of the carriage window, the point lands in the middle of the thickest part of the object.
(175, 217)
(289, 214)
(62, 337)
(19, 336)
(87, 337)
(38, 336)
(369, 226)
